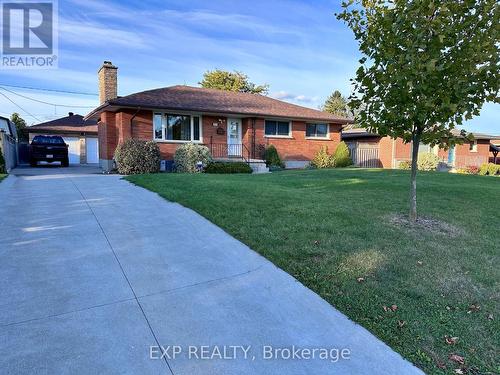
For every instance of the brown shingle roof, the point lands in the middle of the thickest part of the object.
(68, 124)
(197, 99)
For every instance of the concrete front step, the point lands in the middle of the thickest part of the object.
(259, 167)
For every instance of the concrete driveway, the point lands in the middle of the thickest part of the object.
(99, 276)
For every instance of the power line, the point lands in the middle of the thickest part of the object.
(43, 102)
(18, 106)
(52, 90)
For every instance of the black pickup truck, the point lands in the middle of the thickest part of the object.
(50, 149)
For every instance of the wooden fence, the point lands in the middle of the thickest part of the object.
(365, 157)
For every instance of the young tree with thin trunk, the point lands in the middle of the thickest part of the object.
(427, 66)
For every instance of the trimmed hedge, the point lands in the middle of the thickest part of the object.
(227, 168)
(137, 157)
(189, 155)
(342, 157)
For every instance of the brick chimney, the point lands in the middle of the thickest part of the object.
(108, 85)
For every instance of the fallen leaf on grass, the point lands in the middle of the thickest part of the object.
(456, 358)
(419, 262)
(473, 308)
(316, 242)
(401, 323)
(360, 279)
(392, 308)
(489, 316)
(450, 340)
(458, 371)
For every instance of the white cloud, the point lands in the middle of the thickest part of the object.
(95, 34)
(284, 95)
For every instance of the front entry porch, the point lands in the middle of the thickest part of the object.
(237, 152)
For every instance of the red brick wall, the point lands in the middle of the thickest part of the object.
(115, 128)
(387, 146)
(464, 157)
(142, 128)
(402, 150)
(210, 131)
(107, 135)
(297, 147)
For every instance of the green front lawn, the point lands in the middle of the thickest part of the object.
(334, 230)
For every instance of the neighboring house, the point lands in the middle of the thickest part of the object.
(495, 150)
(371, 150)
(79, 134)
(8, 142)
(8, 127)
(234, 125)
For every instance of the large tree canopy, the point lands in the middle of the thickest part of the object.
(427, 65)
(231, 81)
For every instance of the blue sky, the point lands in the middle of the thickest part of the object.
(297, 47)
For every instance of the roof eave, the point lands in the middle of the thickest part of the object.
(115, 106)
(53, 131)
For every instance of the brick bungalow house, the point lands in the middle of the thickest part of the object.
(371, 150)
(235, 126)
(79, 134)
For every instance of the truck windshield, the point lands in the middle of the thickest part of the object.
(44, 139)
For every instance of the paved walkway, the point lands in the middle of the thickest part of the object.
(97, 273)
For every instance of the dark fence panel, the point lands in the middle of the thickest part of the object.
(366, 157)
(23, 150)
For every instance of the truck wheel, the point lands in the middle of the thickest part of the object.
(65, 163)
(33, 163)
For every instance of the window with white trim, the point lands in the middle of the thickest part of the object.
(274, 128)
(176, 127)
(316, 130)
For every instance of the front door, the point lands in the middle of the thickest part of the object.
(233, 137)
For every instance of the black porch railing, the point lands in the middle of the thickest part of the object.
(230, 151)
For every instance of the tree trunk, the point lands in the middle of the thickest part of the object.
(413, 185)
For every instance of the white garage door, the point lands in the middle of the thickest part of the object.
(73, 149)
(92, 150)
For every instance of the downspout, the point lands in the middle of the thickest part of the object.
(253, 138)
(393, 152)
(131, 122)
